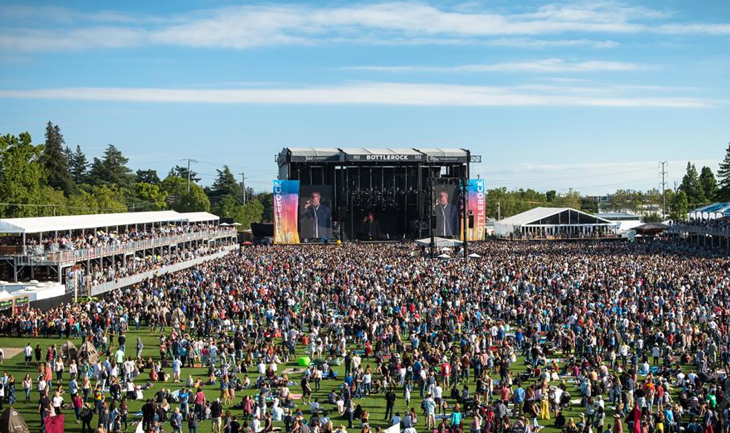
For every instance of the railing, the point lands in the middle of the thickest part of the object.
(699, 230)
(73, 256)
(119, 283)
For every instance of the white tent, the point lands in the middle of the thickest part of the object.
(552, 221)
(439, 242)
(80, 222)
(199, 217)
(444, 256)
(474, 256)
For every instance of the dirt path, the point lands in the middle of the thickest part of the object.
(11, 351)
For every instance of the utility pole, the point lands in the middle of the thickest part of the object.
(664, 185)
(499, 210)
(243, 187)
(189, 160)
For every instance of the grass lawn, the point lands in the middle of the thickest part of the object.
(375, 404)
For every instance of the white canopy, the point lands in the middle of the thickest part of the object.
(199, 217)
(439, 242)
(550, 217)
(79, 222)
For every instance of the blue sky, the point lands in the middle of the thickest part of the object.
(553, 95)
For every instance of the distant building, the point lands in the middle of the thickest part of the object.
(624, 221)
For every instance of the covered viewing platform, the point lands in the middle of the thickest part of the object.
(707, 226)
(100, 248)
(554, 223)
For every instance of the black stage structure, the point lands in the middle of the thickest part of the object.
(395, 185)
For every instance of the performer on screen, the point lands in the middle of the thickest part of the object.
(370, 228)
(316, 218)
(446, 216)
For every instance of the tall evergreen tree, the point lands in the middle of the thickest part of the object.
(111, 169)
(147, 176)
(691, 186)
(55, 161)
(225, 185)
(78, 165)
(723, 174)
(679, 206)
(182, 172)
(708, 183)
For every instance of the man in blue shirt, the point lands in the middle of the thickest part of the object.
(519, 399)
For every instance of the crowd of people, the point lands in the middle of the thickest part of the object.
(85, 239)
(135, 265)
(721, 224)
(582, 336)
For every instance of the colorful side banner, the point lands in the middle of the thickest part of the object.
(476, 209)
(286, 202)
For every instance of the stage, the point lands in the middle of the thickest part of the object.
(377, 194)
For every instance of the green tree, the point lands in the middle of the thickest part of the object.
(652, 218)
(78, 165)
(267, 200)
(570, 199)
(147, 176)
(22, 176)
(244, 214)
(97, 199)
(723, 193)
(111, 170)
(691, 186)
(180, 199)
(147, 197)
(109, 199)
(619, 201)
(182, 172)
(55, 161)
(225, 186)
(708, 183)
(680, 206)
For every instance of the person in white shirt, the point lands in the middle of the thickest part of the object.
(256, 424)
(176, 365)
(277, 413)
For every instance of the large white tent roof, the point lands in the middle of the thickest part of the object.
(198, 217)
(539, 213)
(79, 222)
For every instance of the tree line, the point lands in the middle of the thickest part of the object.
(697, 189)
(52, 179)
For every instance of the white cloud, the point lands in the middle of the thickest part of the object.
(549, 43)
(546, 65)
(362, 94)
(260, 25)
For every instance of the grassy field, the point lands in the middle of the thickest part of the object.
(375, 404)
